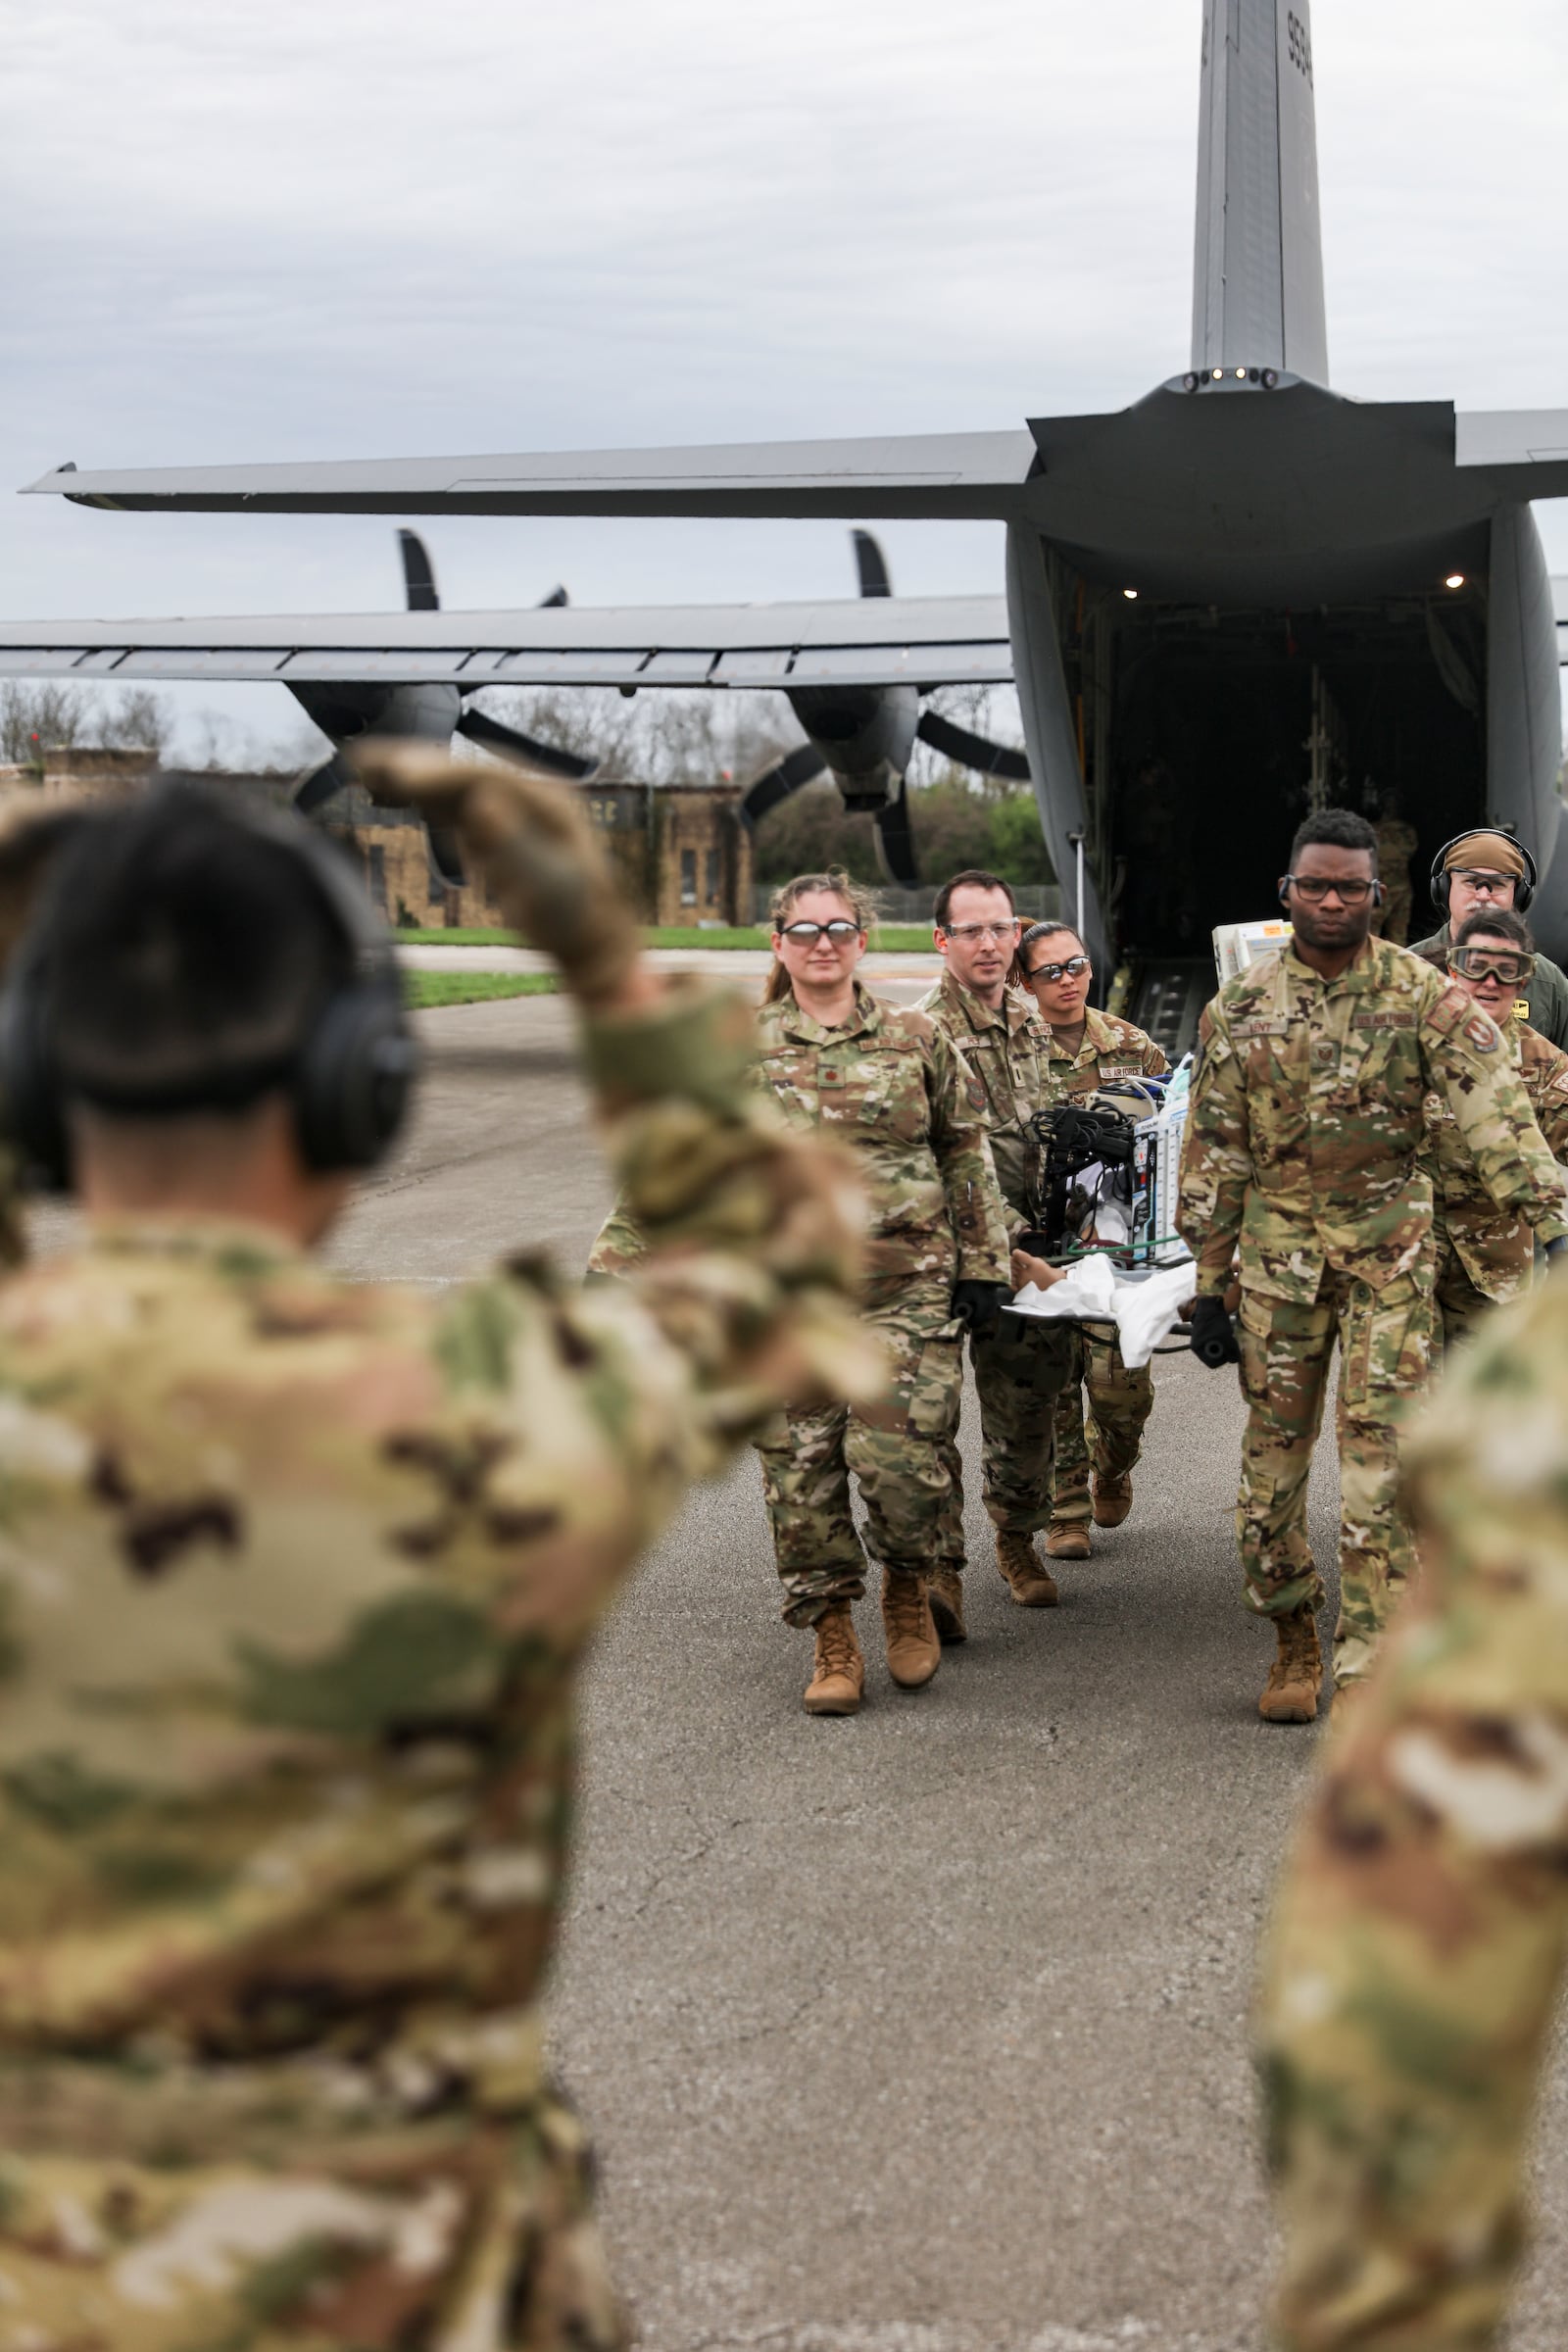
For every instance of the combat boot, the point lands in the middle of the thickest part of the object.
(913, 1650)
(1032, 1586)
(1112, 1500)
(1067, 1539)
(1296, 1675)
(946, 1595)
(838, 1676)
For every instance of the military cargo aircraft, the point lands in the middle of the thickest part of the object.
(1242, 593)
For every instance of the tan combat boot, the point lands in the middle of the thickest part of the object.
(913, 1651)
(1032, 1587)
(1296, 1675)
(838, 1676)
(1067, 1539)
(1112, 1500)
(946, 1595)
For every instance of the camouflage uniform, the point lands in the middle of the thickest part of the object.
(294, 1579)
(1416, 1958)
(1306, 1147)
(1484, 1254)
(1547, 995)
(1023, 1366)
(1398, 843)
(889, 1084)
(1120, 1399)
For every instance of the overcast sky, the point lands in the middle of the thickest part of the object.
(380, 227)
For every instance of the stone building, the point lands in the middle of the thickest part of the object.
(681, 852)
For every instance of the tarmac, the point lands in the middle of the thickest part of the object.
(924, 2031)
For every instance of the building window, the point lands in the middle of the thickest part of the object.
(688, 877)
(713, 877)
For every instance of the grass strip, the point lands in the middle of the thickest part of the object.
(424, 989)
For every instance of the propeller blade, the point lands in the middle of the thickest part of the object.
(322, 785)
(972, 751)
(801, 766)
(871, 565)
(479, 728)
(895, 841)
(419, 575)
(446, 857)
(557, 596)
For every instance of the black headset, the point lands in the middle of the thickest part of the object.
(1524, 890)
(348, 1079)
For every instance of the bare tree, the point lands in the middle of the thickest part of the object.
(137, 720)
(37, 716)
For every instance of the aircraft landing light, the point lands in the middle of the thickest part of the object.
(1131, 594)
(1455, 579)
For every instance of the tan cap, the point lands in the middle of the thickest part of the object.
(1489, 852)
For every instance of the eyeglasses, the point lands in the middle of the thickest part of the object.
(971, 932)
(1073, 969)
(1478, 878)
(1313, 886)
(838, 932)
(1512, 966)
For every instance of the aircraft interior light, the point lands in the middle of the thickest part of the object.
(1131, 594)
(1270, 379)
(1240, 375)
(1455, 579)
(1218, 375)
(1190, 383)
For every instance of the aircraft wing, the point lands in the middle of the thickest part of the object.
(919, 474)
(872, 641)
(1525, 451)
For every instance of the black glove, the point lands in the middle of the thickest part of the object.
(979, 1306)
(1213, 1335)
(1556, 1248)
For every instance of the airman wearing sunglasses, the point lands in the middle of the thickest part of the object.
(1306, 1151)
(1484, 1256)
(1088, 1050)
(1486, 873)
(1002, 1046)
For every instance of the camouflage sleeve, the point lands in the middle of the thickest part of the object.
(1156, 1063)
(1417, 1948)
(618, 1245)
(1467, 1064)
(1549, 1003)
(979, 1215)
(1216, 1158)
(1551, 1109)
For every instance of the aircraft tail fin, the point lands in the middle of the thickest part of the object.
(1258, 284)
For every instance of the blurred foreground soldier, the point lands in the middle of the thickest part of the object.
(1483, 1255)
(1417, 1953)
(1019, 1366)
(1494, 875)
(296, 1576)
(1306, 1147)
(1089, 1049)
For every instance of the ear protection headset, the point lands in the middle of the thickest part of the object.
(348, 1079)
(1378, 892)
(1524, 889)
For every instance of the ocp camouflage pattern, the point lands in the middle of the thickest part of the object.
(1305, 1137)
(1489, 1246)
(294, 1577)
(1416, 1958)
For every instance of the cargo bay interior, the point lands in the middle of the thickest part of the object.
(1207, 734)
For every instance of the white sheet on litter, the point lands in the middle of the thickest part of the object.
(1143, 1311)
